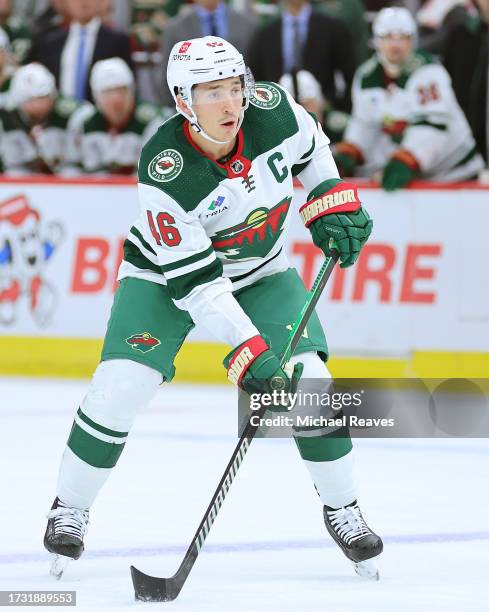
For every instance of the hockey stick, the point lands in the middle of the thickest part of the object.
(150, 588)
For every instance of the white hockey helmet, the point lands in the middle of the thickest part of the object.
(31, 81)
(200, 60)
(110, 73)
(394, 20)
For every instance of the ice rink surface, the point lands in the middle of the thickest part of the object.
(268, 549)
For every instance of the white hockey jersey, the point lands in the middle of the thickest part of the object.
(418, 112)
(101, 150)
(201, 220)
(40, 148)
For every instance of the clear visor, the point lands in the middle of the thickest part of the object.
(200, 94)
(218, 91)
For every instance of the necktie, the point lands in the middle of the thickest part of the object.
(213, 25)
(297, 42)
(81, 66)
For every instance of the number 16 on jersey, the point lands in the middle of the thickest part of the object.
(164, 229)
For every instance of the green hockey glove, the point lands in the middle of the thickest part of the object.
(337, 218)
(255, 368)
(399, 171)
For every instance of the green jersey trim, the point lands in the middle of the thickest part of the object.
(135, 232)
(188, 260)
(180, 286)
(310, 151)
(470, 155)
(313, 115)
(134, 256)
(298, 168)
(437, 126)
(235, 279)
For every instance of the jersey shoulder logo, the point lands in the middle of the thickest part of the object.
(165, 166)
(266, 96)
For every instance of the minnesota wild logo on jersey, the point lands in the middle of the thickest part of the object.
(143, 342)
(266, 96)
(255, 236)
(165, 166)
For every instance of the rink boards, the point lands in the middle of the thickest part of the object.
(415, 304)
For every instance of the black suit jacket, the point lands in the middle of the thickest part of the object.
(466, 59)
(47, 50)
(328, 49)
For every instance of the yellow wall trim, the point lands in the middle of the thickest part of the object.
(202, 361)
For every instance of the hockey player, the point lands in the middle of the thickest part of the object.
(406, 121)
(112, 136)
(215, 190)
(35, 133)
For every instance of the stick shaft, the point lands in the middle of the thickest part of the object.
(249, 431)
(305, 314)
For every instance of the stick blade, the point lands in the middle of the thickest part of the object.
(149, 588)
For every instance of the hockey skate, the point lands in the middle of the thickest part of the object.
(64, 535)
(359, 543)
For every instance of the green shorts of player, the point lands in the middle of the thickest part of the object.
(145, 326)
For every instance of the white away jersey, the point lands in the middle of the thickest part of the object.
(40, 148)
(201, 220)
(102, 150)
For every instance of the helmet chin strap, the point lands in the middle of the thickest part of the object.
(198, 128)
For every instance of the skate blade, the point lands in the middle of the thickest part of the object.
(367, 569)
(58, 565)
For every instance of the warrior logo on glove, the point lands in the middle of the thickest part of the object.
(341, 198)
(337, 216)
